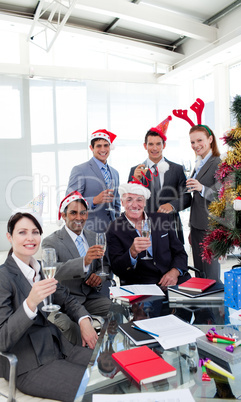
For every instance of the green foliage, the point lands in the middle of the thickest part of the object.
(236, 109)
(238, 177)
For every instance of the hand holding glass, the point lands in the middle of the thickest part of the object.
(111, 186)
(146, 232)
(101, 241)
(49, 262)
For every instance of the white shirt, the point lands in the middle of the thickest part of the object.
(32, 275)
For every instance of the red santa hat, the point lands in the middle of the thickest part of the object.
(162, 127)
(104, 134)
(75, 195)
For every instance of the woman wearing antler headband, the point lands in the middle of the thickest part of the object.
(202, 184)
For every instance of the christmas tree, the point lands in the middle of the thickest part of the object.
(224, 231)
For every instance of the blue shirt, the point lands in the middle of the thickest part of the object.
(100, 165)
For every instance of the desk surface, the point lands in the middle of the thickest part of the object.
(103, 377)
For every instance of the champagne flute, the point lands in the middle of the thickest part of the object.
(101, 241)
(146, 232)
(49, 261)
(187, 167)
(111, 186)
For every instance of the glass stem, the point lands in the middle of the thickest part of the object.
(50, 300)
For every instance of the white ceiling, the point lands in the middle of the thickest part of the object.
(167, 32)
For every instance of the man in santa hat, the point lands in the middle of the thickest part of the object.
(165, 179)
(78, 265)
(98, 183)
(143, 255)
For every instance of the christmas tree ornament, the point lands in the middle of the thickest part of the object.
(224, 231)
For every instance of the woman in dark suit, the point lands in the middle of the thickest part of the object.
(204, 187)
(48, 365)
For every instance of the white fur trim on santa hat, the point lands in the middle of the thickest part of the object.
(100, 134)
(134, 188)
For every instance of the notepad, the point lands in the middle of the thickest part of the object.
(144, 365)
(138, 337)
(197, 284)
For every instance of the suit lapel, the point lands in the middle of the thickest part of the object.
(24, 285)
(205, 168)
(97, 171)
(68, 243)
(90, 237)
(167, 175)
(127, 228)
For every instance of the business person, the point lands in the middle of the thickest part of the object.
(93, 180)
(127, 246)
(167, 188)
(48, 365)
(203, 186)
(78, 256)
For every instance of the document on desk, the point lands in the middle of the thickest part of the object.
(177, 395)
(136, 290)
(169, 330)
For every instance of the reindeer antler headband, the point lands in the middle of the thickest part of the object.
(197, 107)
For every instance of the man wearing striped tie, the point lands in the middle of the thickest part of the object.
(78, 264)
(98, 182)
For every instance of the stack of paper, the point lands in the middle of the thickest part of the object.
(135, 290)
(170, 331)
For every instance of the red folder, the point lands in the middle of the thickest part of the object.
(196, 284)
(143, 365)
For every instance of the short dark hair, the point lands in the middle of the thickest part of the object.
(19, 215)
(92, 142)
(154, 134)
(78, 200)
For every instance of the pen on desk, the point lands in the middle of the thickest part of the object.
(215, 367)
(143, 330)
(128, 291)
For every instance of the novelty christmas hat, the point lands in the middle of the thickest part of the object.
(161, 128)
(73, 196)
(34, 208)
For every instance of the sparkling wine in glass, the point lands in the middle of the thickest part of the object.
(101, 241)
(187, 167)
(111, 186)
(49, 262)
(146, 232)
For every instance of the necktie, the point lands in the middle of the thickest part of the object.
(107, 177)
(154, 186)
(80, 246)
(156, 180)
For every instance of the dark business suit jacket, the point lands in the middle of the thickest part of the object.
(70, 269)
(199, 205)
(35, 342)
(172, 191)
(168, 251)
(89, 181)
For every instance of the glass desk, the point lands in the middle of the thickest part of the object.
(103, 376)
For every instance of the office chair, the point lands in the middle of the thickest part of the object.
(12, 359)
